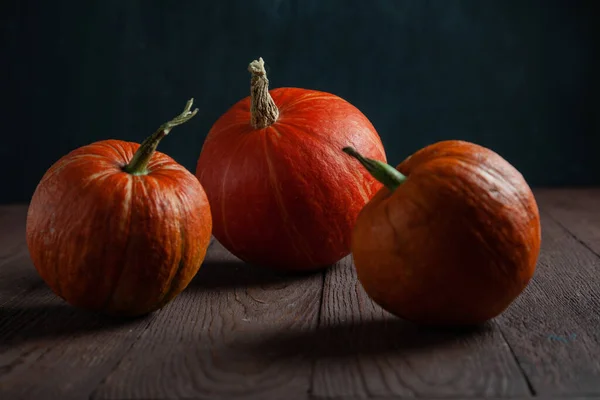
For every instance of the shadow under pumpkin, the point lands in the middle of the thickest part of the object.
(349, 339)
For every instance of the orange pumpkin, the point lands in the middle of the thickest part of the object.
(282, 194)
(453, 237)
(117, 227)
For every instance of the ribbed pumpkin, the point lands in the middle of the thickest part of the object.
(281, 194)
(119, 228)
(453, 237)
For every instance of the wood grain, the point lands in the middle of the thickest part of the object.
(366, 352)
(578, 210)
(219, 340)
(49, 349)
(17, 274)
(456, 398)
(245, 332)
(554, 327)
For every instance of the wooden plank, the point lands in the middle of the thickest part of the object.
(12, 227)
(578, 210)
(458, 398)
(217, 341)
(49, 349)
(365, 352)
(554, 327)
(17, 274)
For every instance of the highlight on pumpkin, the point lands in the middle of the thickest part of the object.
(384, 173)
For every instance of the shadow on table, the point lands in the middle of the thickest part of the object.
(19, 325)
(232, 274)
(373, 337)
(222, 270)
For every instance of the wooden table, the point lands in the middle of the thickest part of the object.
(242, 332)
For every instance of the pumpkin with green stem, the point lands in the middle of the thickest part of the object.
(452, 238)
(118, 227)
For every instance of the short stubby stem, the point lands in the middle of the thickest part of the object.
(139, 163)
(263, 110)
(389, 176)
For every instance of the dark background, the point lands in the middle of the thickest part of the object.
(518, 76)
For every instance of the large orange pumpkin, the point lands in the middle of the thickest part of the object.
(117, 227)
(453, 237)
(281, 193)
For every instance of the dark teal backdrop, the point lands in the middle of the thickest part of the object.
(518, 76)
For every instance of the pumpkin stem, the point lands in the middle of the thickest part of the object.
(139, 163)
(384, 173)
(263, 109)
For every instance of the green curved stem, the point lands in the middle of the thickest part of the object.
(384, 173)
(139, 163)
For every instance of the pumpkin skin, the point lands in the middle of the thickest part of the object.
(283, 196)
(106, 240)
(455, 243)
